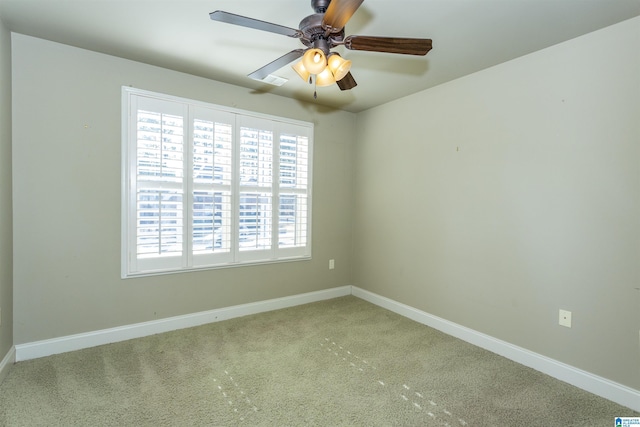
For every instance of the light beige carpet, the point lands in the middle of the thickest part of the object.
(342, 362)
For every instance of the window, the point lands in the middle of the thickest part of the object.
(205, 186)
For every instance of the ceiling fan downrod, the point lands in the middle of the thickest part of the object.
(320, 6)
(322, 43)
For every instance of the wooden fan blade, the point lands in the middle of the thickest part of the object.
(285, 59)
(347, 82)
(338, 13)
(231, 18)
(389, 44)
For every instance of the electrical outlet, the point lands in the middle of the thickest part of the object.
(332, 264)
(565, 318)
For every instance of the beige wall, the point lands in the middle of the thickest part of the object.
(67, 197)
(491, 201)
(497, 199)
(6, 249)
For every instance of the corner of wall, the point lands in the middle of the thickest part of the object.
(7, 351)
(7, 363)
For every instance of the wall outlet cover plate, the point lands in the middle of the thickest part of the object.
(565, 318)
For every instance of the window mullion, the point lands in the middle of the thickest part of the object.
(131, 185)
(235, 192)
(275, 193)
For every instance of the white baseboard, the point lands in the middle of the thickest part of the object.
(49, 347)
(7, 362)
(599, 386)
(613, 391)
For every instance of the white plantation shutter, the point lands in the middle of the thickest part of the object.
(294, 170)
(256, 163)
(205, 186)
(157, 183)
(212, 178)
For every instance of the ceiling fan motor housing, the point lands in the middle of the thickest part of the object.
(316, 36)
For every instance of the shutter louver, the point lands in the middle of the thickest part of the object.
(254, 230)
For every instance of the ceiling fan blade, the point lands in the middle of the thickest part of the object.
(347, 82)
(231, 18)
(285, 59)
(389, 44)
(338, 13)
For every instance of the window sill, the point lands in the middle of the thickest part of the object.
(215, 267)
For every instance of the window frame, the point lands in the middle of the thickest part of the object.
(193, 111)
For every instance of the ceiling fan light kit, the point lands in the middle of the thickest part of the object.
(320, 32)
(298, 67)
(327, 69)
(314, 61)
(325, 78)
(338, 65)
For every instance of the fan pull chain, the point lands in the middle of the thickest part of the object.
(315, 87)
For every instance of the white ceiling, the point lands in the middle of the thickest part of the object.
(468, 36)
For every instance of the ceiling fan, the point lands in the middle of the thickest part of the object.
(320, 32)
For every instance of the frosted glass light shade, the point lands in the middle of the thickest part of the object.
(314, 61)
(302, 72)
(325, 78)
(338, 66)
